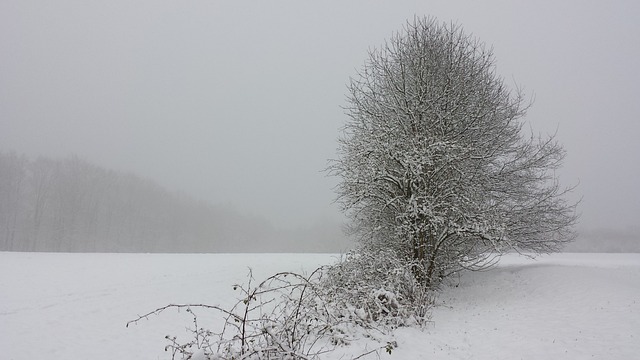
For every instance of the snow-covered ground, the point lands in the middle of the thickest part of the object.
(75, 306)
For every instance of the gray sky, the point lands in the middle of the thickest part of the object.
(239, 101)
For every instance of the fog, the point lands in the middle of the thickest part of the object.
(239, 103)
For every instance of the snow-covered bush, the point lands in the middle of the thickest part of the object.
(376, 289)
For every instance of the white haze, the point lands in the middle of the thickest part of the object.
(239, 102)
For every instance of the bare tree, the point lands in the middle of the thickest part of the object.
(434, 162)
(12, 184)
(42, 175)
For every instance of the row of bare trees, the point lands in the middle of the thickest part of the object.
(72, 205)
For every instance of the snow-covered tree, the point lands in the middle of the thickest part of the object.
(434, 162)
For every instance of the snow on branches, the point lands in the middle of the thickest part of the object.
(434, 164)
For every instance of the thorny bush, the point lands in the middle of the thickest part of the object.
(293, 316)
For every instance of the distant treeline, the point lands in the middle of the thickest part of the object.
(71, 205)
(606, 241)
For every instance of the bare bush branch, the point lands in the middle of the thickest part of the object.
(285, 316)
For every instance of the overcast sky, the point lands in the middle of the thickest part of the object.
(238, 102)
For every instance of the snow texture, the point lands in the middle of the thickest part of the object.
(75, 306)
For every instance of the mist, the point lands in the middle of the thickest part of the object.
(238, 105)
(70, 205)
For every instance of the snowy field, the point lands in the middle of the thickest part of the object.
(75, 306)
